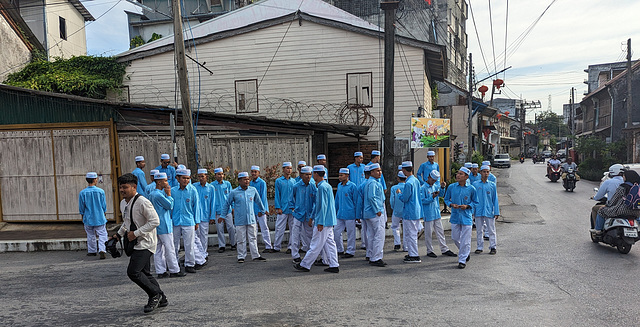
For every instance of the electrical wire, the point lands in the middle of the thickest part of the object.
(475, 27)
(506, 29)
(493, 46)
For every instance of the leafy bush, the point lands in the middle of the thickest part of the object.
(476, 157)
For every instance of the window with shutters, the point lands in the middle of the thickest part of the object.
(247, 96)
(359, 89)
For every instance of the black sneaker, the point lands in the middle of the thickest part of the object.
(297, 260)
(163, 301)
(449, 253)
(240, 260)
(431, 255)
(493, 251)
(341, 253)
(468, 257)
(478, 251)
(275, 251)
(198, 266)
(221, 250)
(288, 251)
(461, 265)
(163, 275)
(319, 263)
(260, 259)
(347, 255)
(152, 304)
(178, 274)
(233, 247)
(366, 258)
(378, 263)
(190, 270)
(300, 268)
(103, 255)
(91, 254)
(267, 251)
(397, 248)
(334, 270)
(412, 260)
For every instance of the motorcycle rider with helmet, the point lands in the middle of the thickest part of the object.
(616, 207)
(607, 189)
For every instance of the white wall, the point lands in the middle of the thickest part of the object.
(14, 54)
(305, 81)
(75, 44)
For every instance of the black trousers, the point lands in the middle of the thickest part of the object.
(139, 272)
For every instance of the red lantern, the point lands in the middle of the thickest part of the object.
(483, 89)
(506, 113)
(498, 83)
(499, 116)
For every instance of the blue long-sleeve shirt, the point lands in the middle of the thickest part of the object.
(425, 169)
(373, 199)
(185, 206)
(474, 178)
(461, 195)
(150, 187)
(394, 198)
(284, 188)
(163, 205)
(325, 208)
(360, 199)
(142, 181)
(243, 202)
(222, 191)
(346, 201)
(207, 200)
(608, 188)
(261, 186)
(492, 178)
(171, 175)
(93, 206)
(302, 200)
(430, 205)
(410, 196)
(487, 194)
(356, 173)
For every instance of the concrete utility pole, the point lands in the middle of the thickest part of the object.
(470, 103)
(388, 134)
(187, 119)
(522, 117)
(571, 115)
(629, 104)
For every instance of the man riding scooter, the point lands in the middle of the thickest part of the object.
(607, 189)
(554, 162)
(569, 164)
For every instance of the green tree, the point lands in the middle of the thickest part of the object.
(552, 123)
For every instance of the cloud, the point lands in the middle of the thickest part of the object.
(109, 34)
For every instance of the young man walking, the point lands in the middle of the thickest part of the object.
(93, 207)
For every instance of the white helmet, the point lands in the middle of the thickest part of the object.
(616, 169)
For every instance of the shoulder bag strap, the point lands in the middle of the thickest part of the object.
(133, 225)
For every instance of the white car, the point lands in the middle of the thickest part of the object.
(502, 160)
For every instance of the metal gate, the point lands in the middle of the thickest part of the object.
(42, 169)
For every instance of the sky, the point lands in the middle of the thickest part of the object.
(549, 60)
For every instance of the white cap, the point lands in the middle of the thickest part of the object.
(164, 156)
(139, 158)
(181, 167)
(375, 153)
(321, 157)
(399, 167)
(357, 154)
(406, 164)
(218, 170)
(401, 175)
(374, 166)
(431, 153)
(306, 170)
(91, 175)
(468, 164)
(255, 168)
(286, 164)
(243, 174)
(344, 171)
(367, 168)
(474, 165)
(485, 167)
(486, 163)
(183, 172)
(465, 170)
(202, 171)
(160, 175)
(318, 168)
(302, 163)
(434, 174)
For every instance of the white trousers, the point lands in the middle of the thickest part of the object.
(228, 220)
(363, 234)
(429, 228)
(247, 232)
(264, 229)
(350, 226)
(461, 235)
(488, 226)
(321, 241)
(375, 237)
(395, 229)
(101, 231)
(202, 237)
(191, 253)
(165, 255)
(410, 230)
(301, 233)
(282, 222)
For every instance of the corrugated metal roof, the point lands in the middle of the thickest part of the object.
(259, 12)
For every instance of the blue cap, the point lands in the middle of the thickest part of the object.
(218, 170)
(321, 157)
(286, 164)
(357, 154)
(139, 158)
(474, 165)
(485, 167)
(375, 153)
(160, 176)
(374, 166)
(401, 175)
(181, 167)
(183, 172)
(153, 172)
(367, 168)
(243, 174)
(302, 163)
(164, 156)
(202, 171)
(434, 174)
(344, 171)
(306, 170)
(318, 168)
(486, 163)
(255, 168)
(465, 170)
(406, 164)
(431, 153)
(92, 175)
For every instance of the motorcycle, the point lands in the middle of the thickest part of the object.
(521, 159)
(618, 232)
(554, 174)
(569, 181)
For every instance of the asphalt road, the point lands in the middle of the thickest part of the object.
(547, 272)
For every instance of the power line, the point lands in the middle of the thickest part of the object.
(475, 27)
(493, 46)
(506, 28)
